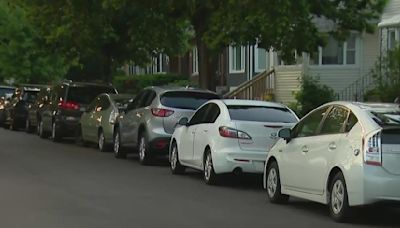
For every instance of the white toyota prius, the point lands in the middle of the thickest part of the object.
(343, 154)
(226, 136)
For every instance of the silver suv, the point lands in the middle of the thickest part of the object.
(150, 119)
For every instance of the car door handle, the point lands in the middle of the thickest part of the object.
(304, 149)
(332, 146)
(205, 131)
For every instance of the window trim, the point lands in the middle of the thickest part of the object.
(344, 64)
(256, 60)
(231, 59)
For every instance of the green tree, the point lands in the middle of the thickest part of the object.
(113, 32)
(387, 77)
(22, 55)
(284, 25)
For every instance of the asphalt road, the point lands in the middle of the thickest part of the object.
(45, 184)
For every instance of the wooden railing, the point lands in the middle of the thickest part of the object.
(261, 87)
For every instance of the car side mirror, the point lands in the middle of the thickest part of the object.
(285, 134)
(184, 121)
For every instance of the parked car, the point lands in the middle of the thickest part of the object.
(36, 108)
(61, 115)
(5, 94)
(226, 136)
(97, 122)
(342, 154)
(150, 119)
(16, 111)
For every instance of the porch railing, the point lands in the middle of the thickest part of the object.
(259, 88)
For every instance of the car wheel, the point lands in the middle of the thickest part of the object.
(176, 166)
(79, 140)
(103, 147)
(118, 152)
(28, 127)
(210, 177)
(338, 199)
(13, 125)
(143, 149)
(42, 134)
(273, 185)
(55, 135)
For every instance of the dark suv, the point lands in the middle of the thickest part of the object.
(36, 108)
(68, 100)
(17, 109)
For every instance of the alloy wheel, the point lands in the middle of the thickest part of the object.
(337, 197)
(174, 158)
(208, 167)
(101, 141)
(272, 182)
(116, 144)
(142, 149)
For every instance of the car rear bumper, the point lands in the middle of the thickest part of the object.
(160, 145)
(67, 127)
(226, 161)
(379, 185)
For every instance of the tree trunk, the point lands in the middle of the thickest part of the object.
(208, 64)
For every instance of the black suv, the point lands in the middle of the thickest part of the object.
(36, 108)
(17, 109)
(68, 100)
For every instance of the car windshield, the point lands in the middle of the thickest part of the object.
(186, 100)
(30, 96)
(261, 114)
(6, 92)
(388, 118)
(86, 94)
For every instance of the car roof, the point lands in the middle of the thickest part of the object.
(120, 96)
(367, 106)
(252, 103)
(7, 87)
(163, 89)
(72, 83)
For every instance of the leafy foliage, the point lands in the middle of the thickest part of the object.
(387, 77)
(311, 95)
(22, 54)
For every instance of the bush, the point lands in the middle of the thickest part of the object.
(134, 83)
(311, 95)
(387, 78)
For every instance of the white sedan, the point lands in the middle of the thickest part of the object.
(226, 136)
(342, 154)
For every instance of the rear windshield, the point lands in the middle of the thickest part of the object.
(387, 118)
(6, 92)
(186, 100)
(261, 114)
(30, 96)
(86, 94)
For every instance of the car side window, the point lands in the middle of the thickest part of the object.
(309, 125)
(135, 103)
(92, 106)
(212, 113)
(149, 98)
(351, 121)
(199, 116)
(334, 122)
(104, 104)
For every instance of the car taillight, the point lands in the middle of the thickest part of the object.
(161, 112)
(228, 132)
(373, 150)
(113, 117)
(68, 105)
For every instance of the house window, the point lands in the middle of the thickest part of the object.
(195, 61)
(158, 65)
(336, 53)
(236, 59)
(261, 58)
(392, 39)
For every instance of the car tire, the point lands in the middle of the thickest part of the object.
(144, 150)
(42, 134)
(101, 142)
(79, 140)
(209, 175)
(28, 126)
(273, 185)
(117, 147)
(55, 134)
(338, 199)
(176, 167)
(13, 126)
